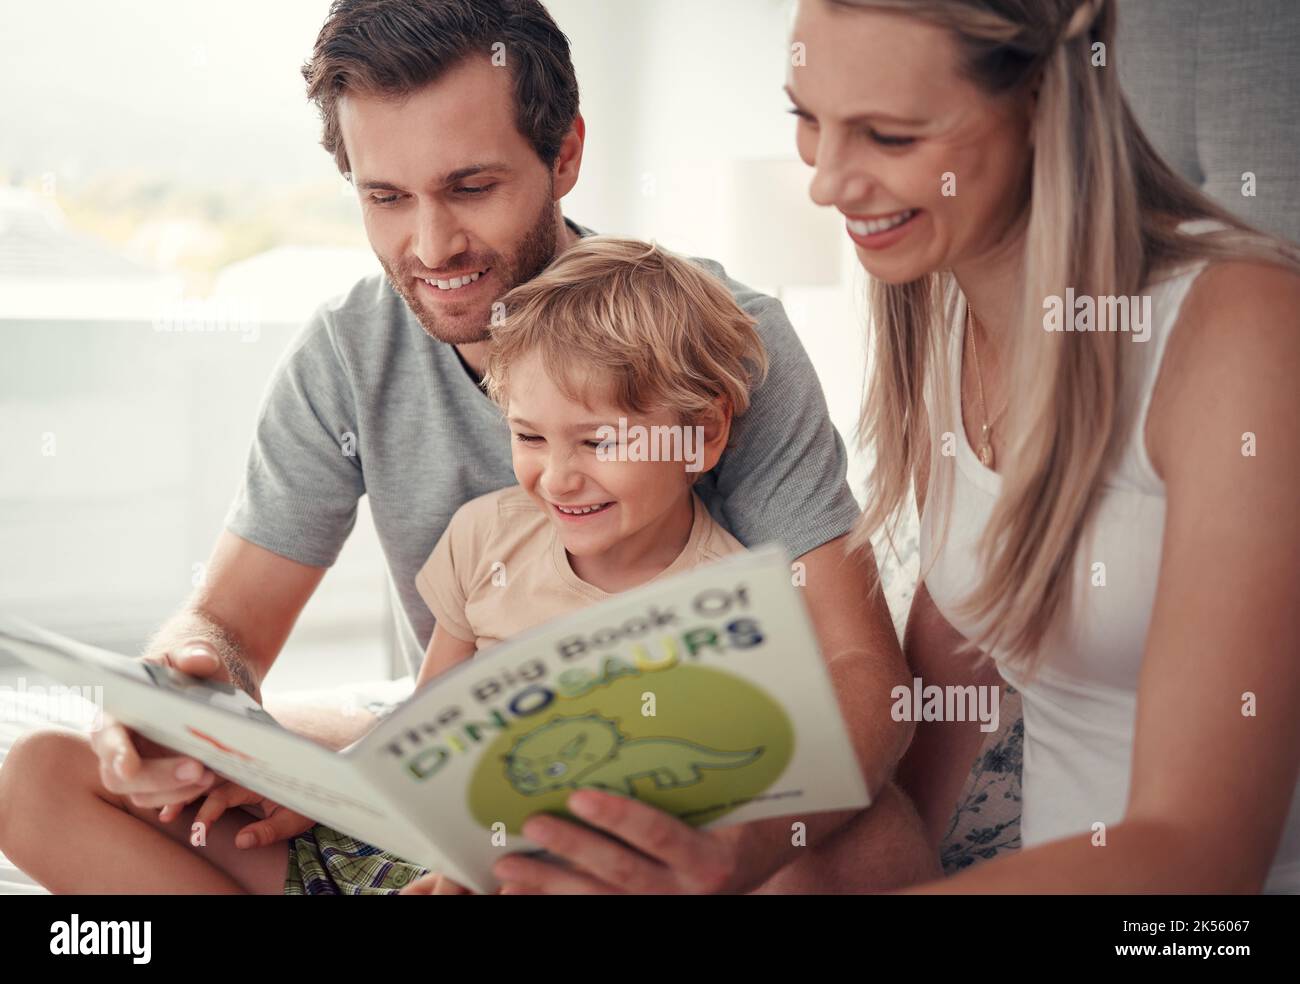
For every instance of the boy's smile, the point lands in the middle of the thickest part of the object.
(578, 513)
(617, 520)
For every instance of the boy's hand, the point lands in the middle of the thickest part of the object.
(278, 823)
(434, 884)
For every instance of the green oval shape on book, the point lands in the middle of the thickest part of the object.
(714, 743)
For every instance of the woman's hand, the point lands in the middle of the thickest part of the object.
(277, 823)
(647, 851)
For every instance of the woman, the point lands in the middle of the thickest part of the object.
(1108, 514)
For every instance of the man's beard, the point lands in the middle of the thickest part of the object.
(470, 323)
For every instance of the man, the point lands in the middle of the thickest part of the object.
(458, 123)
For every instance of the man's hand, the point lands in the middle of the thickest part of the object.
(231, 630)
(648, 852)
(277, 823)
(146, 773)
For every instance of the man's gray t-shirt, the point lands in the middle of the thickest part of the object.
(364, 402)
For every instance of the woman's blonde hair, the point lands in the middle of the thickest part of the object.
(1102, 217)
(643, 326)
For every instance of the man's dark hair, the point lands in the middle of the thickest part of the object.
(395, 47)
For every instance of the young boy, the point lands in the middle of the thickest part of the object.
(620, 369)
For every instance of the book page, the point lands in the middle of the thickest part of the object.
(704, 695)
(220, 726)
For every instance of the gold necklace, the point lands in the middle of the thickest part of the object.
(986, 427)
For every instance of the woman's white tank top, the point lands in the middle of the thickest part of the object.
(1079, 710)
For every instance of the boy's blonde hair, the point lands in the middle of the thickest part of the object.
(630, 320)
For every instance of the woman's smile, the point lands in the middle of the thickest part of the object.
(882, 231)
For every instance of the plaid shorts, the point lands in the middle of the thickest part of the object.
(324, 861)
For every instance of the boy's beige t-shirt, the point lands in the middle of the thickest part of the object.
(500, 567)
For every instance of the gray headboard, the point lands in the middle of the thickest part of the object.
(1216, 86)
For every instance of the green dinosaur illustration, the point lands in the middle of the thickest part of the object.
(589, 750)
